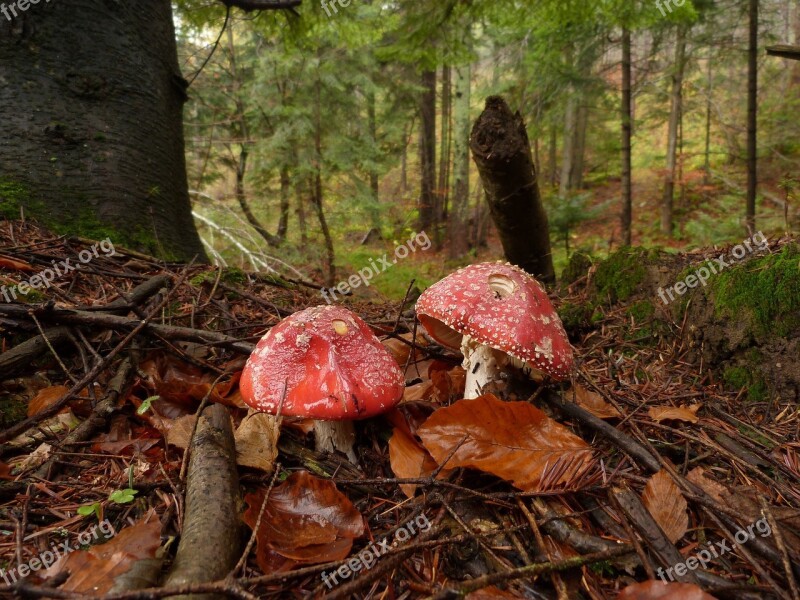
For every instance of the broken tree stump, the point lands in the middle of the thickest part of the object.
(502, 153)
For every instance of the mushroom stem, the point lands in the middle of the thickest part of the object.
(480, 363)
(336, 435)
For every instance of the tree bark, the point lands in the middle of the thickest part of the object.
(91, 106)
(427, 155)
(502, 154)
(627, 132)
(676, 106)
(316, 188)
(445, 140)
(752, 115)
(457, 220)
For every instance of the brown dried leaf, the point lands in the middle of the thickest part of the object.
(666, 504)
(682, 413)
(257, 442)
(711, 487)
(595, 404)
(95, 570)
(658, 590)
(409, 459)
(420, 391)
(512, 440)
(13, 264)
(306, 521)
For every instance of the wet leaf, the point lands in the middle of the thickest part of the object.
(595, 404)
(409, 459)
(257, 442)
(13, 264)
(666, 504)
(711, 487)
(306, 521)
(512, 440)
(95, 570)
(670, 413)
(658, 590)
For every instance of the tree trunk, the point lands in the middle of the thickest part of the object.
(286, 194)
(502, 154)
(579, 147)
(676, 106)
(568, 149)
(457, 221)
(552, 156)
(301, 213)
(374, 179)
(427, 155)
(752, 113)
(709, 91)
(91, 109)
(329, 271)
(627, 132)
(445, 141)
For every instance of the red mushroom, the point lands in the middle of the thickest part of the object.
(498, 315)
(326, 364)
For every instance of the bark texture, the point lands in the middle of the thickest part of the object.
(92, 134)
(209, 545)
(502, 154)
(626, 110)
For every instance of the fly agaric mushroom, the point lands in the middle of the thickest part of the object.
(498, 315)
(323, 363)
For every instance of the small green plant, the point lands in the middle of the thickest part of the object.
(89, 509)
(123, 496)
(145, 406)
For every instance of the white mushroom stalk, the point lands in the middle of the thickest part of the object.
(481, 364)
(336, 435)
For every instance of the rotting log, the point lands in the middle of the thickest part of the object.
(502, 153)
(210, 537)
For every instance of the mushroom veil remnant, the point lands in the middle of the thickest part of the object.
(323, 363)
(498, 315)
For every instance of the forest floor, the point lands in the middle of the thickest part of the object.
(640, 469)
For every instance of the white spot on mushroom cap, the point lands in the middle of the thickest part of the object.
(522, 323)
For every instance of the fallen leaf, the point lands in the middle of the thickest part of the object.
(185, 384)
(5, 472)
(179, 431)
(12, 264)
(257, 442)
(670, 413)
(401, 350)
(512, 440)
(95, 570)
(666, 504)
(48, 396)
(306, 521)
(595, 404)
(409, 459)
(448, 383)
(711, 487)
(658, 590)
(48, 428)
(420, 391)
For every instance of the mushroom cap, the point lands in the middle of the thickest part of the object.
(330, 363)
(500, 306)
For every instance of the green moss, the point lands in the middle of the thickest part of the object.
(620, 275)
(766, 289)
(642, 311)
(230, 276)
(12, 411)
(736, 378)
(575, 316)
(579, 265)
(13, 196)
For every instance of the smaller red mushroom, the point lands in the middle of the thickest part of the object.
(323, 363)
(497, 315)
